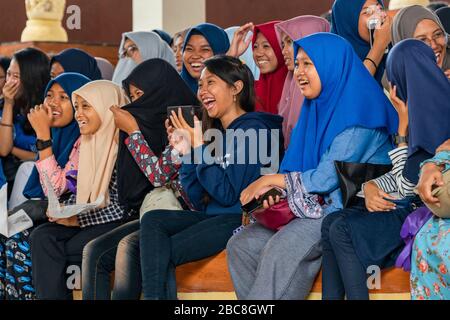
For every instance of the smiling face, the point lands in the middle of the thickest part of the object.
(177, 48)
(60, 104)
(306, 75)
(88, 119)
(13, 74)
(364, 16)
(56, 69)
(287, 51)
(217, 96)
(429, 32)
(197, 50)
(135, 93)
(263, 54)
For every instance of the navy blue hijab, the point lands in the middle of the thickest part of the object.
(344, 22)
(63, 138)
(217, 39)
(76, 60)
(350, 97)
(412, 67)
(164, 36)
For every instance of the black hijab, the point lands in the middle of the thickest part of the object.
(162, 87)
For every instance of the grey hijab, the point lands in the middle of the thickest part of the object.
(406, 21)
(150, 46)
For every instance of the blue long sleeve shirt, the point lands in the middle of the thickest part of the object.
(355, 144)
(223, 181)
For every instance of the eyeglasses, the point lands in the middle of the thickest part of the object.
(129, 52)
(436, 36)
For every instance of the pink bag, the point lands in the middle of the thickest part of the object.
(276, 217)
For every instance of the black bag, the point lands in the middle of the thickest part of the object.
(353, 175)
(35, 209)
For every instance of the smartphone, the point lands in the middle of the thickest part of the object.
(256, 204)
(188, 113)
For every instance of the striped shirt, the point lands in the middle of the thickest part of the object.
(394, 181)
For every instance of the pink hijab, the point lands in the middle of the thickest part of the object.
(291, 98)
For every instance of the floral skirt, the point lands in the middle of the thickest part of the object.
(430, 264)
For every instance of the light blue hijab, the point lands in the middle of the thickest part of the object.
(247, 57)
(350, 97)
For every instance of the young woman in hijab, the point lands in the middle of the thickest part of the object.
(420, 23)
(247, 56)
(26, 79)
(269, 59)
(368, 234)
(171, 238)
(55, 119)
(177, 47)
(75, 60)
(145, 161)
(135, 48)
(444, 16)
(291, 99)
(430, 260)
(343, 107)
(106, 68)
(91, 164)
(202, 42)
(349, 20)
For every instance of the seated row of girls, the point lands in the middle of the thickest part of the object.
(64, 134)
(338, 122)
(368, 234)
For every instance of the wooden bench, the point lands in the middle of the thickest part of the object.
(209, 279)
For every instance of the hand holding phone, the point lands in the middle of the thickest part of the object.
(257, 204)
(188, 113)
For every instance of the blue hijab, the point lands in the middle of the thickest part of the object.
(164, 36)
(412, 67)
(350, 97)
(63, 138)
(217, 39)
(344, 22)
(76, 60)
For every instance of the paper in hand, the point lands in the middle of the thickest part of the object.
(55, 210)
(18, 222)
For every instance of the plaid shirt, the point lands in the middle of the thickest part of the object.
(111, 213)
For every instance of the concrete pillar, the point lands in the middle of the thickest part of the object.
(170, 15)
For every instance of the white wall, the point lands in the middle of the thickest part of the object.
(182, 14)
(147, 15)
(170, 15)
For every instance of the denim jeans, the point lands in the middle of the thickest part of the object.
(171, 238)
(53, 248)
(100, 258)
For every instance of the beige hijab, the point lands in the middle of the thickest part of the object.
(98, 152)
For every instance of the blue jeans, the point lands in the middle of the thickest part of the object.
(116, 250)
(171, 238)
(342, 272)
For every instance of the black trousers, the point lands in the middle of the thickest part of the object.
(55, 247)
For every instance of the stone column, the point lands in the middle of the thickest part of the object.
(44, 21)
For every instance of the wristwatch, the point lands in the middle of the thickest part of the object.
(400, 139)
(43, 144)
